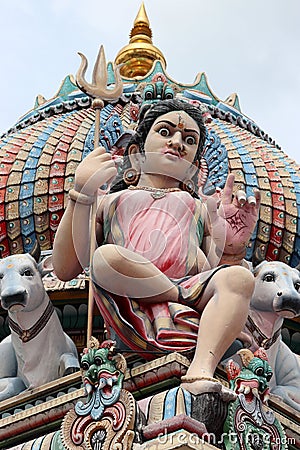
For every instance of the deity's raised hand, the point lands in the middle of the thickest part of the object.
(95, 170)
(233, 221)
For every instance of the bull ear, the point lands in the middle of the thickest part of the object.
(45, 266)
(257, 268)
(36, 251)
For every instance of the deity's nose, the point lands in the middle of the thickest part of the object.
(176, 141)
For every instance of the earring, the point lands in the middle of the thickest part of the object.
(188, 186)
(131, 176)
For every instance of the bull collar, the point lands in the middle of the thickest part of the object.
(32, 332)
(260, 338)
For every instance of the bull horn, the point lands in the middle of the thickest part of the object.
(257, 257)
(246, 356)
(36, 251)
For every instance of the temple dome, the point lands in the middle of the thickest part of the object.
(39, 156)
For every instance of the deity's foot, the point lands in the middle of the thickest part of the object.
(203, 385)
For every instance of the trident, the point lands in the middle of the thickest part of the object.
(99, 91)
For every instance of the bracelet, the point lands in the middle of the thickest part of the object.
(78, 197)
(228, 258)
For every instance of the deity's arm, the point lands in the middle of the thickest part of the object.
(71, 244)
(208, 245)
(211, 251)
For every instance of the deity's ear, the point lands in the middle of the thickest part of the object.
(134, 156)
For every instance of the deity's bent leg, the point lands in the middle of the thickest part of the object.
(125, 273)
(227, 297)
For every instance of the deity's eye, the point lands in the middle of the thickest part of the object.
(269, 277)
(259, 371)
(190, 140)
(164, 132)
(297, 285)
(85, 365)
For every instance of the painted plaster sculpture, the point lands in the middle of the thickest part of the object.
(103, 377)
(108, 419)
(161, 250)
(37, 351)
(249, 423)
(276, 296)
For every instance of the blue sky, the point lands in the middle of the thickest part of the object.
(251, 48)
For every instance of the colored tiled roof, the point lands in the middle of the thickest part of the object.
(39, 156)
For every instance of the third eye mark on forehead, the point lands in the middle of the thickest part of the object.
(173, 125)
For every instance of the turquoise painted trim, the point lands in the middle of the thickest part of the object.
(67, 88)
(110, 74)
(56, 443)
(227, 108)
(170, 403)
(200, 85)
(237, 103)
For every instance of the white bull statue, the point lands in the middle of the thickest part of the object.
(38, 350)
(276, 296)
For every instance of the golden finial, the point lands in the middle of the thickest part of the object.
(142, 17)
(137, 58)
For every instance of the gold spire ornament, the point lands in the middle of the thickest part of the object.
(137, 58)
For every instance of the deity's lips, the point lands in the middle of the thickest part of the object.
(171, 154)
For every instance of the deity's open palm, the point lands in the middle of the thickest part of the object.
(232, 222)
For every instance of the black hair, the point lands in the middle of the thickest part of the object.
(148, 115)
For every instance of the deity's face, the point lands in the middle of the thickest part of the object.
(171, 146)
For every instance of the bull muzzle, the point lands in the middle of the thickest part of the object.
(12, 296)
(287, 304)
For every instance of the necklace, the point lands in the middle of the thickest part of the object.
(156, 193)
(32, 332)
(260, 338)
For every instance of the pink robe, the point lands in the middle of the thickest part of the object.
(167, 231)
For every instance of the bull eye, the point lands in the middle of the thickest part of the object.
(1, 276)
(297, 285)
(269, 277)
(27, 273)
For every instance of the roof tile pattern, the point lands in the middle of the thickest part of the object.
(38, 159)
